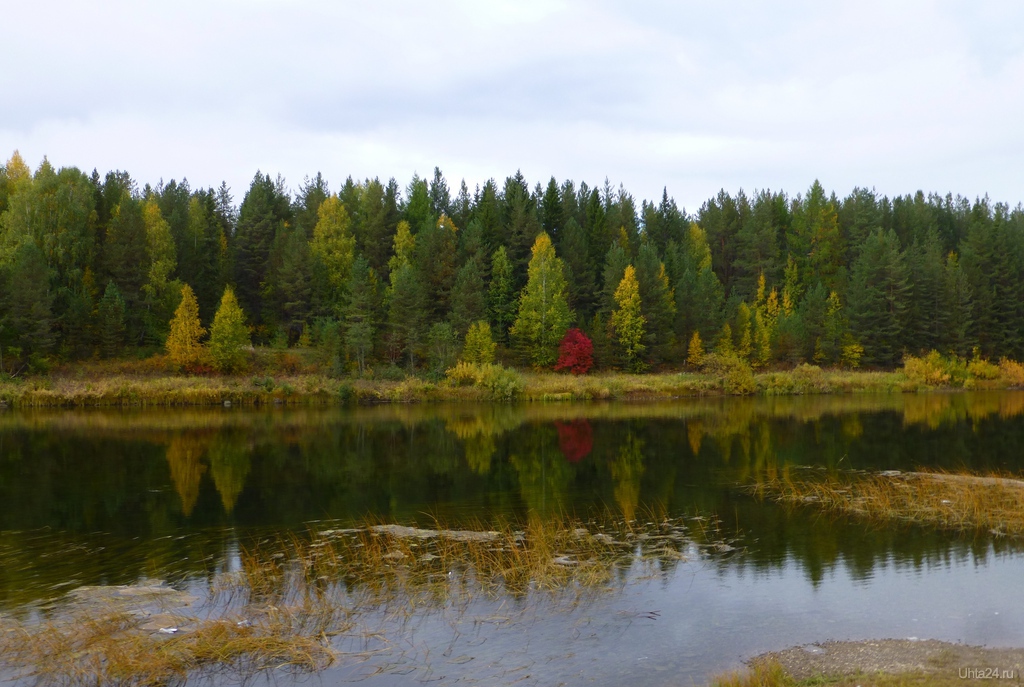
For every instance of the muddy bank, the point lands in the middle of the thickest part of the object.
(941, 660)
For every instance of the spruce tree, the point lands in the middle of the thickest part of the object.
(879, 295)
(111, 313)
(501, 294)
(468, 297)
(26, 308)
(361, 312)
(575, 250)
(261, 218)
(406, 312)
(657, 302)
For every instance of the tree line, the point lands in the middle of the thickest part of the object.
(378, 276)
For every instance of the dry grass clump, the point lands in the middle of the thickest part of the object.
(107, 642)
(760, 674)
(958, 501)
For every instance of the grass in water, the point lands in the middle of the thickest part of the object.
(333, 596)
(956, 501)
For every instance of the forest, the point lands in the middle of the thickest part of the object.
(377, 278)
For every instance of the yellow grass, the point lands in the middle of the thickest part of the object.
(958, 501)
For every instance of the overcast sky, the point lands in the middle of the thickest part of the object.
(691, 96)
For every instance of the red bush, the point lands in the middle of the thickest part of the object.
(575, 353)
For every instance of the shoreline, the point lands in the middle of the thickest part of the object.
(119, 389)
(886, 662)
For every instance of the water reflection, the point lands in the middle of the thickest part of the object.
(124, 494)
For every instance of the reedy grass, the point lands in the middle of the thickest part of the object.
(954, 501)
(296, 602)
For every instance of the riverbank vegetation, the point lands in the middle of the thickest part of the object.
(292, 376)
(384, 282)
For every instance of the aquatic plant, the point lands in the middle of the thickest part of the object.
(957, 501)
(297, 602)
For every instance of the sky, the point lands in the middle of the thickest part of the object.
(691, 97)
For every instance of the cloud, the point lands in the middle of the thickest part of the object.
(691, 96)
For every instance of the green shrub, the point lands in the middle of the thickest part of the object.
(265, 383)
(982, 369)
(809, 379)
(503, 383)
(346, 393)
(935, 370)
(736, 374)
(390, 373)
(1012, 372)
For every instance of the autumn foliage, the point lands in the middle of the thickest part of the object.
(575, 439)
(183, 345)
(575, 353)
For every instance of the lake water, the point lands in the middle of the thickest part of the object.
(119, 497)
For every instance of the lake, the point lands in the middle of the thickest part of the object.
(177, 497)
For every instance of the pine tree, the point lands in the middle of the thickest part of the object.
(575, 250)
(959, 300)
(26, 308)
(361, 311)
(112, 321)
(628, 321)
(443, 345)
(406, 313)
(501, 294)
(657, 302)
(543, 307)
(418, 211)
(436, 248)
(229, 337)
(126, 258)
(306, 209)
(376, 230)
(879, 294)
(699, 293)
(615, 263)
(264, 212)
(812, 313)
(757, 245)
(292, 283)
(468, 296)
(183, 347)
(927, 309)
